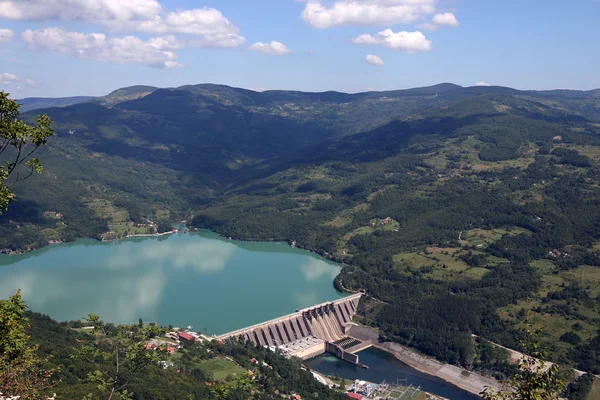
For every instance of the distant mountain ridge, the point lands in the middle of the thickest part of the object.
(139, 91)
(35, 103)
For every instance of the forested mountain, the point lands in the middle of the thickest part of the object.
(461, 210)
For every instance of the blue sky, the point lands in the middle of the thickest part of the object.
(82, 47)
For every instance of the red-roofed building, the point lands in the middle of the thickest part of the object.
(186, 336)
(355, 396)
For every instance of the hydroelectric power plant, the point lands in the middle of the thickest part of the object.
(309, 332)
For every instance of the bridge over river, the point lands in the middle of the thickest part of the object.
(307, 332)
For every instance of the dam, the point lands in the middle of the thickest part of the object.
(309, 332)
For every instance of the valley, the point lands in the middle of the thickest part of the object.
(459, 211)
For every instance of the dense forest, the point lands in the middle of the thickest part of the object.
(459, 211)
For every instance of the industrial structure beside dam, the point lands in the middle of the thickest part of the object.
(311, 331)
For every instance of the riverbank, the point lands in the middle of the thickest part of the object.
(325, 380)
(385, 368)
(459, 377)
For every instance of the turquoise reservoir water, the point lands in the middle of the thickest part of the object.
(197, 279)
(384, 366)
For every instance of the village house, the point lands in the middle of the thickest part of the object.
(187, 337)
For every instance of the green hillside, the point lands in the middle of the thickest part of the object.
(198, 370)
(460, 210)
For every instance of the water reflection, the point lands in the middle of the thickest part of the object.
(304, 299)
(124, 299)
(196, 279)
(315, 269)
(202, 256)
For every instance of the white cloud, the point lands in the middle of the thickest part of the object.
(147, 16)
(482, 83)
(274, 48)
(75, 10)
(6, 35)
(374, 60)
(219, 40)
(408, 42)
(156, 52)
(439, 20)
(366, 12)
(6, 78)
(210, 24)
(202, 21)
(447, 19)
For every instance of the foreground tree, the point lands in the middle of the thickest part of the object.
(21, 371)
(118, 352)
(535, 379)
(18, 142)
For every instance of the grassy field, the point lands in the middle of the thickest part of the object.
(220, 368)
(105, 209)
(374, 224)
(595, 392)
(119, 223)
(467, 151)
(483, 237)
(340, 221)
(445, 263)
(592, 152)
(555, 324)
(438, 263)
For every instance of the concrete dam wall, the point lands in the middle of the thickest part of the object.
(327, 321)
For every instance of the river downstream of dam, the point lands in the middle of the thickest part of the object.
(385, 367)
(198, 279)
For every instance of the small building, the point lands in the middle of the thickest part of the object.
(355, 396)
(186, 336)
(151, 346)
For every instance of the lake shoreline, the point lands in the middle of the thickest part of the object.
(408, 356)
(9, 252)
(17, 252)
(171, 279)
